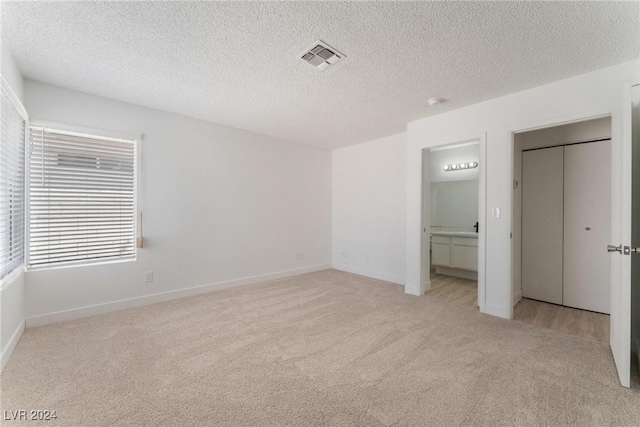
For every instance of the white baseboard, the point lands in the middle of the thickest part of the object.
(11, 345)
(409, 290)
(92, 310)
(373, 274)
(517, 297)
(497, 311)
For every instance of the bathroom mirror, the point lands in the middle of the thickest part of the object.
(454, 204)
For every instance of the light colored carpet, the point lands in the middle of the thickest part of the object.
(326, 348)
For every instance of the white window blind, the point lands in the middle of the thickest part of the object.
(82, 195)
(12, 186)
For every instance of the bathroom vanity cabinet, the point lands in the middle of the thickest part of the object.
(455, 253)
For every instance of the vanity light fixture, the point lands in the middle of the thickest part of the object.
(460, 166)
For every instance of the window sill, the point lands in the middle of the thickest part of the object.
(80, 264)
(11, 278)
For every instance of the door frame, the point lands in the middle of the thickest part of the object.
(518, 182)
(537, 125)
(420, 271)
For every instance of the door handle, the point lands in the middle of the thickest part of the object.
(611, 248)
(626, 250)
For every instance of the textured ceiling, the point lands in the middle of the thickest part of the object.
(236, 63)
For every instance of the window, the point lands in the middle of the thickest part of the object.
(82, 198)
(12, 191)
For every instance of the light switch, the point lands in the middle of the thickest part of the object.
(495, 213)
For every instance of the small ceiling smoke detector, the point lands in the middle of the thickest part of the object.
(321, 55)
(434, 101)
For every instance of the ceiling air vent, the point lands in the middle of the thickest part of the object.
(321, 55)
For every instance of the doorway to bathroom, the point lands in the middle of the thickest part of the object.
(451, 221)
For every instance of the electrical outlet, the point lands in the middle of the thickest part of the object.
(345, 254)
(300, 256)
(148, 276)
(366, 258)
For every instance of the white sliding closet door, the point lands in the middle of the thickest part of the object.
(542, 223)
(587, 226)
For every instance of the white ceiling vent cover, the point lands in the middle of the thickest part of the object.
(321, 55)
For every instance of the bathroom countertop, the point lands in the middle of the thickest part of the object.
(471, 234)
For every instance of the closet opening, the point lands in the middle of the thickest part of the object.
(561, 227)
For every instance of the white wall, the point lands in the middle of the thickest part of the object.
(12, 293)
(222, 207)
(12, 316)
(589, 95)
(10, 70)
(369, 208)
(556, 135)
